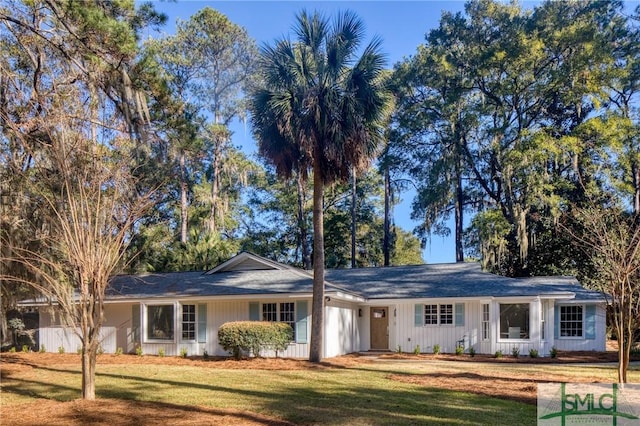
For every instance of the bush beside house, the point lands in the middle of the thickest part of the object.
(254, 337)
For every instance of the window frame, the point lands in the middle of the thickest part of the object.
(279, 313)
(528, 323)
(147, 326)
(194, 322)
(571, 321)
(486, 322)
(443, 310)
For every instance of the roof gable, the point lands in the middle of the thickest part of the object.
(246, 261)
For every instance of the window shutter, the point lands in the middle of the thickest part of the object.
(459, 314)
(254, 311)
(135, 323)
(419, 315)
(590, 322)
(556, 322)
(301, 321)
(202, 323)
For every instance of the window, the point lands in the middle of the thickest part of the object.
(160, 322)
(485, 321)
(446, 314)
(431, 314)
(570, 321)
(280, 312)
(543, 313)
(438, 314)
(288, 315)
(188, 322)
(514, 321)
(269, 312)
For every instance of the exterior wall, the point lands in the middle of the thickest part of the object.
(407, 335)
(341, 332)
(599, 343)
(115, 331)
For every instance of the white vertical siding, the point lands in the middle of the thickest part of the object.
(582, 344)
(341, 329)
(364, 326)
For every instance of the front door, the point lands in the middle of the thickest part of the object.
(380, 328)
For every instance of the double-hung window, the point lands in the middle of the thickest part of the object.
(571, 324)
(485, 321)
(438, 314)
(188, 322)
(280, 312)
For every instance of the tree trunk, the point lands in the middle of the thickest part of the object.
(89, 352)
(302, 224)
(635, 170)
(353, 218)
(459, 205)
(183, 199)
(215, 165)
(317, 310)
(386, 243)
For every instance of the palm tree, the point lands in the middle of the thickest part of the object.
(321, 109)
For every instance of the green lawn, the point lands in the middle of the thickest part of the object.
(361, 394)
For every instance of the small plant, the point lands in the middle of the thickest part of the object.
(79, 350)
(119, 351)
(515, 351)
(183, 352)
(100, 350)
(472, 352)
(399, 349)
(554, 352)
(436, 349)
(498, 354)
(161, 352)
(60, 349)
(533, 353)
(139, 350)
(205, 355)
(416, 350)
(42, 349)
(25, 348)
(459, 350)
(13, 349)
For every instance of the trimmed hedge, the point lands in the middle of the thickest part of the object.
(254, 337)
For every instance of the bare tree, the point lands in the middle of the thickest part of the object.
(611, 237)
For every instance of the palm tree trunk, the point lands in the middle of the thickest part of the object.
(183, 200)
(386, 242)
(214, 191)
(317, 309)
(353, 218)
(302, 224)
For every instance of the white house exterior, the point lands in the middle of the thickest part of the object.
(365, 309)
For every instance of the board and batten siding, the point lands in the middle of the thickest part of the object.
(407, 335)
(594, 330)
(114, 333)
(341, 329)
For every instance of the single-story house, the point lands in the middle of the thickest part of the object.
(368, 309)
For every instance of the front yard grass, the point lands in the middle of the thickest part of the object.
(362, 393)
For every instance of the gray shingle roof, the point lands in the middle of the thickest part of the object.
(400, 282)
(450, 280)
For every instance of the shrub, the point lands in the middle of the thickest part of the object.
(205, 355)
(472, 351)
(119, 351)
(554, 352)
(399, 349)
(254, 336)
(60, 349)
(515, 351)
(183, 352)
(139, 350)
(498, 354)
(42, 349)
(459, 350)
(13, 349)
(100, 350)
(25, 348)
(533, 353)
(416, 350)
(436, 349)
(161, 352)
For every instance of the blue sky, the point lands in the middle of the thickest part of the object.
(402, 25)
